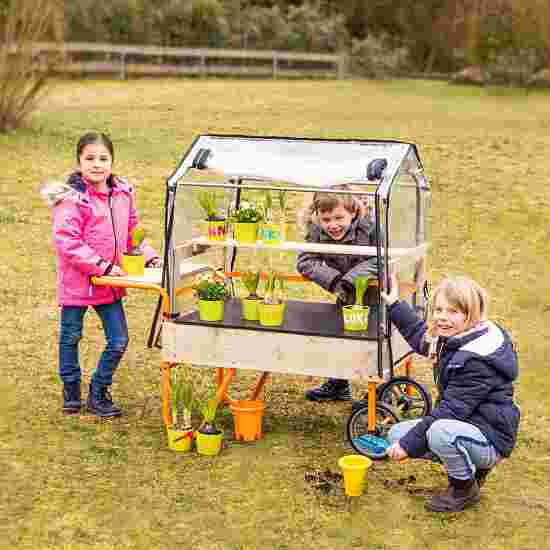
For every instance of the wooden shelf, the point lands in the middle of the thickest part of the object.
(293, 246)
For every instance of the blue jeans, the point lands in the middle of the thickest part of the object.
(70, 333)
(460, 446)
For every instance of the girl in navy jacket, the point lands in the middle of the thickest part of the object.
(475, 421)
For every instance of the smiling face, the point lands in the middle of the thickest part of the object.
(335, 222)
(448, 319)
(96, 164)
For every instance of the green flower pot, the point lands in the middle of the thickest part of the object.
(133, 265)
(272, 233)
(250, 309)
(211, 310)
(356, 318)
(246, 232)
(271, 315)
(209, 444)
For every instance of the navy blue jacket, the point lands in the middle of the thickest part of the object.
(475, 372)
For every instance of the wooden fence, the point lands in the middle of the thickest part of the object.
(126, 61)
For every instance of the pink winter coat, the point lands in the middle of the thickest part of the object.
(90, 231)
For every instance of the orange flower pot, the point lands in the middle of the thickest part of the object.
(247, 417)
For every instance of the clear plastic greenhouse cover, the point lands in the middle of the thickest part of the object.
(299, 162)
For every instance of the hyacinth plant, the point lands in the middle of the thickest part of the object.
(208, 202)
(210, 286)
(182, 401)
(271, 296)
(247, 212)
(251, 280)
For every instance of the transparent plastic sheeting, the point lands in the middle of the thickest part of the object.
(307, 163)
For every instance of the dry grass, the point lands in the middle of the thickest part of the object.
(77, 482)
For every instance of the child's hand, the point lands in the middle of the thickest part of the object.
(396, 452)
(155, 262)
(343, 294)
(392, 295)
(116, 271)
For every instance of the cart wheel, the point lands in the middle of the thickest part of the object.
(409, 397)
(386, 417)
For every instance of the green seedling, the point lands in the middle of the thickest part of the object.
(361, 283)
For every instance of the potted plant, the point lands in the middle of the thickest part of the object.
(215, 223)
(251, 280)
(209, 436)
(180, 432)
(270, 232)
(271, 309)
(211, 291)
(133, 261)
(245, 220)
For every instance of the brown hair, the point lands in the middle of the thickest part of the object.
(467, 296)
(324, 202)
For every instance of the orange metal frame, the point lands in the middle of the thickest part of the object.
(225, 376)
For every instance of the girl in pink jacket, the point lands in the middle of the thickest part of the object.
(94, 215)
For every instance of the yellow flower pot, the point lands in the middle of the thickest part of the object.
(209, 444)
(133, 265)
(179, 440)
(246, 232)
(271, 233)
(250, 309)
(271, 315)
(356, 318)
(211, 310)
(215, 230)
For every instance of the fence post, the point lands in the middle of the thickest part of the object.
(341, 67)
(122, 66)
(275, 65)
(203, 64)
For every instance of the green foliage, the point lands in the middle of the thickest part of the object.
(207, 201)
(209, 410)
(182, 399)
(138, 236)
(248, 212)
(251, 280)
(210, 286)
(274, 280)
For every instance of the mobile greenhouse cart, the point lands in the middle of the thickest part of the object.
(282, 175)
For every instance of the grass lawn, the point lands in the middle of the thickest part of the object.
(77, 483)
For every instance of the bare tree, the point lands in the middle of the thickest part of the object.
(24, 70)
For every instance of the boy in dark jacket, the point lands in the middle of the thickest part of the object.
(338, 220)
(474, 424)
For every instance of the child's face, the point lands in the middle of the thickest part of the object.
(448, 319)
(335, 222)
(95, 163)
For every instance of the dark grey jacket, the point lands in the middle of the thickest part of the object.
(327, 269)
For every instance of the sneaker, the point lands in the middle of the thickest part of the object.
(71, 398)
(333, 389)
(481, 476)
(100, 402)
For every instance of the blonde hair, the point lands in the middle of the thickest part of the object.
(467, 296)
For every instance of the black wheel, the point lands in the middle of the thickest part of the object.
(409, 397)
(357, 428)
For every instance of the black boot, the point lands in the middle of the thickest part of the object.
(481, 476)
(100, 402)
(333, 389)
(461, 494)
(71, 398)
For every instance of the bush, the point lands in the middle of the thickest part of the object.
(24, 72)
(375, 58)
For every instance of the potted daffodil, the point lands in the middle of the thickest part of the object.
(271, 309)
(133, 261)
(209, 437)
(251, 280)
(180, 432)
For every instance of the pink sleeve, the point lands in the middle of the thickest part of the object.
(67, 230)
(148, 251)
